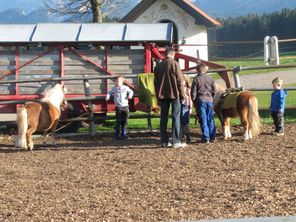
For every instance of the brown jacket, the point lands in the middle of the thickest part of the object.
(168, 81)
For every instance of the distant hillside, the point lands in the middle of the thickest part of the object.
(26, 5)
(233, 8)
(13, 16)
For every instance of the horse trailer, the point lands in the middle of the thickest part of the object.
(32, 56)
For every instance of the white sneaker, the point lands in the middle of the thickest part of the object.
(179, 145)
(166, 144)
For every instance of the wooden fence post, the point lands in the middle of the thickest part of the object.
(149, 118)
(89, 106)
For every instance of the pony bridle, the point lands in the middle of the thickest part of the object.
(64, 103)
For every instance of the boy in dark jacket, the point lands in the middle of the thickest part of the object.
(203, 90)
(277, 106)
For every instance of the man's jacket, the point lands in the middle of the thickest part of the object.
(168, 81)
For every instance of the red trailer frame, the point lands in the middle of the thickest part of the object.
(151, 52)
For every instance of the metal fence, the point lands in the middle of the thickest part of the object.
(88, 98)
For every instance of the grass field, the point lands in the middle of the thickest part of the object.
(263, 100)
(263, 97)
(138, 124)
(259, 61)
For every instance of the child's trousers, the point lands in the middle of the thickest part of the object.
(185, 117)
(122, 114)
(278, 121)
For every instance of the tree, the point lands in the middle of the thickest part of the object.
(98, 8)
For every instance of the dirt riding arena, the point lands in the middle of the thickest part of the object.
(100, 179)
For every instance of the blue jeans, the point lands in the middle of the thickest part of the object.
(206, 118)
(164, 116)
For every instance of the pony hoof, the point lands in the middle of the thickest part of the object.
(23, 147)
(54, 144)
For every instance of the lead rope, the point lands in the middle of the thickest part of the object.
(67, 124)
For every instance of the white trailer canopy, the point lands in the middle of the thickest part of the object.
(87, 32)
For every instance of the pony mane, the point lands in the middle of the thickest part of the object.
(55, 95)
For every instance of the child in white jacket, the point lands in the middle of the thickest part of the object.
(122, 94)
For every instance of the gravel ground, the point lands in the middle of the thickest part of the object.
(264, 80)
(101, 179)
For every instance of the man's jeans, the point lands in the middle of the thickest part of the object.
(164, 115)
(206, 116)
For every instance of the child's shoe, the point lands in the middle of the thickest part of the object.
(123, 134)
(188, 139)
(280, 133)
(203, 140)
(117, 134)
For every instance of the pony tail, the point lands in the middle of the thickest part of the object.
(253, 116)
(22, 123)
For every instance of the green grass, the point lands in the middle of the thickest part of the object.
(140, 124)
(290, 85)
(259, 61)
(263, 101)
(263, 98)
(290, 117)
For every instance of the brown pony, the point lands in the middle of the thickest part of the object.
(40, 116)
(245, 107)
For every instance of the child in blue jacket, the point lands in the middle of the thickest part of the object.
(277, 106)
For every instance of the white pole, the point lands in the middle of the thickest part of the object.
(267, 50)
(275, 50)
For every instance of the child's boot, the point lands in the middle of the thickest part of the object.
(188, 140)
(123, 134)
(181, 133)
(117, 134)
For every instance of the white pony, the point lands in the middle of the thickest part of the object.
(40, 116)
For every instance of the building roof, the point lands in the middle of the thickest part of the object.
(200, 16)
(90, 32)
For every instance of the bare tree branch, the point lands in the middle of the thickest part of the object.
(98, 8)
